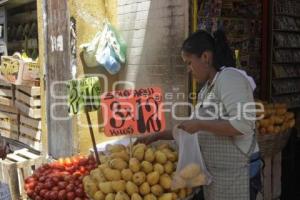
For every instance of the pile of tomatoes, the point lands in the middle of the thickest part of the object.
(60, 180)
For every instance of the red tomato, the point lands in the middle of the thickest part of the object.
(53, 195)
(68, 162)
(83, 161)
(56, 188)
(82, 169)
(61, 161)
(55, 179)
(38, 198)
(71, 169)
(62, 195)
(70, 187)
(42, 179)
(42, 192)
(47, 195)
(70, 195)
(78, 198)
(30, 179)
(62, 184)
(67, 178)
(49, 184)
(79, 192)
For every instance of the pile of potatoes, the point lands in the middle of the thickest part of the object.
(275, 119)
(137, 172)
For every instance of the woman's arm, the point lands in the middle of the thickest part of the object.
(218, 127)
(165, 135)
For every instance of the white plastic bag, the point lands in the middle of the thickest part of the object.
(191, 170)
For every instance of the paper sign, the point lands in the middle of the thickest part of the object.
(83, 94)
(130, 112)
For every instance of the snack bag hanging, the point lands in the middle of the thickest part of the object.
(191, 170)
(107, 49)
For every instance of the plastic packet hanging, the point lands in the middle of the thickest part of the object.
(191, 170)
(107, 49)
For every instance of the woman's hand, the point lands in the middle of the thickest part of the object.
(147, 139)
(191, 126)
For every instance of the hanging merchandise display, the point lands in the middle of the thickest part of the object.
(107, 49)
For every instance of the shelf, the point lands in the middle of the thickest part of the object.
(287, 48)
(283, 78)
(285, 30)
(285, 93)
(286, 15)
(286, 63)
(232, 17)
(15, 3)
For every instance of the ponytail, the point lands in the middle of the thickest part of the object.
(202, 41)
(223, 53)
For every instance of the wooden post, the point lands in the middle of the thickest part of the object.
(276, 176)
(58, 69)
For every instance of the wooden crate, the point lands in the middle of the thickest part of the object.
(9, 125)
(31, 127)
(16, 168)
(33, 143)
(7, 94)
(28, 101)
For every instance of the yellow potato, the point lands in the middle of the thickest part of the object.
(160, 157)
(110, 196)
(159, 168)
(168, 167)
(150, 197)
(139, 153)
(182, 194)
(126, 174)
(166, 196)
(115, 148)
(190, 171)
(145, 189)
(122, 196)
(140, 145)
(103, 166)
(163, 146)
(105, 187)
(136, 196)
(118, 186)
(122, 154)
(134, 165)
(153, 178)
(90, 187)
(131, 188)
(157, 190)
(149, 155)
(112, 174)
(291, 123)
(165, 181)
(198, 180)
(104, 159)
(147, 167)
(97, 175)
(139, 177)
(178, 182)
(118, 163)
(99, 195)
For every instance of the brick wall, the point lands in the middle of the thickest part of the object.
(154, 31)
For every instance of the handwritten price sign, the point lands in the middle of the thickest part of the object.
(83, 94)
(129, 112)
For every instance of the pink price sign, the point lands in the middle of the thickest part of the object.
(132, 112)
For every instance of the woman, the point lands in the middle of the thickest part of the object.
(227, 140)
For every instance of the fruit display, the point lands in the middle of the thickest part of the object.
(274, 119)
(134, 173)
(61, 180)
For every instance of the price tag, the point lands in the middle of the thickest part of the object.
(83, 94)
(130, 112)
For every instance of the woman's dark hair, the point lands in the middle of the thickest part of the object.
(202, 41)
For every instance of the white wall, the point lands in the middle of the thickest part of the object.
(154, 31)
